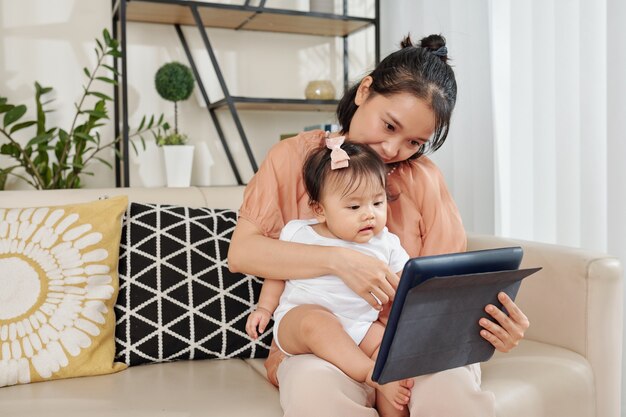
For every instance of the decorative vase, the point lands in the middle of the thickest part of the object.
(178, 164)
(320, 90)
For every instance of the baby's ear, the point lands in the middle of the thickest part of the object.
(318, 211)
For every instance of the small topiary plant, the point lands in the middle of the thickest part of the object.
(174, 82)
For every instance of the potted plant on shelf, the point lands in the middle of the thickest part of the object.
(174, 82)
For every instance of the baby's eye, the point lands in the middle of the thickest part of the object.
(354, 207)
(378, 203)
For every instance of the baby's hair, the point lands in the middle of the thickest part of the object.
(364, 165)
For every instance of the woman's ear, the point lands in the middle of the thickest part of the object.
(318, 212)
(363, 91)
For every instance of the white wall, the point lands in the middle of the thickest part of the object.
(51, 41)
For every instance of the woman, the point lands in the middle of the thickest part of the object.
(401, 110)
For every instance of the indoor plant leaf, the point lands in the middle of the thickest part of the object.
(4, 174)
(14, 114)
(107, 80)
(11, 149)
(22, 125)
(99, 95)
(85, 137)
(105, 162)
(38, 139)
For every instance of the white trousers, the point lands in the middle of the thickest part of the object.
(310, 386)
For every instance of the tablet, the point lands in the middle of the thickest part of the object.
(433, 323)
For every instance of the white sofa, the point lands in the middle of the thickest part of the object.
(568, 365)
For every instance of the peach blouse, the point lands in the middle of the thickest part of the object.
(424, 216)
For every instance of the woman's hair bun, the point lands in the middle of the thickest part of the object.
(433, 43)
(437, 45)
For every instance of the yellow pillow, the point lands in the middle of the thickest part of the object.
(58, 286)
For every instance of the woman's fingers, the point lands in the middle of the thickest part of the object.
(496, 335)
(515, 313)
(388, 288)
(367, 276)
(393, 280)
(507, 331)
(381, 292)
(379, 297)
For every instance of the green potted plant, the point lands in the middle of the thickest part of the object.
(53, 157)
(174, 82)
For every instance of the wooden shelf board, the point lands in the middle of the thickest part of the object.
(149, 12)
(314, 25)
(231, 17)
(247, 103)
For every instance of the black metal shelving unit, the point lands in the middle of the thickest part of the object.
(227, 16)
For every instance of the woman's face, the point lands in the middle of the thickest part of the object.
(395, 126)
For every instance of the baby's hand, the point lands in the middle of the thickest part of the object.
(258, 318)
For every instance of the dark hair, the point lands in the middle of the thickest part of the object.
(420, 70)
(364, 165)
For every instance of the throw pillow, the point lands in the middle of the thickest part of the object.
(177, 299)
(57, 290)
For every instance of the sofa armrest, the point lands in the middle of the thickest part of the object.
(574, 302)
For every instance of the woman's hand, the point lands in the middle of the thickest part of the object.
(366, 275)
(507, 333)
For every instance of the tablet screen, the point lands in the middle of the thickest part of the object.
(433, 323)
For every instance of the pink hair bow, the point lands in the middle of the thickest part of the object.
(338, 157)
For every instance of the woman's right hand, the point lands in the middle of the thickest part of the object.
(366, 275)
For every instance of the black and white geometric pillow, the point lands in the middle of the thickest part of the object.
(177, 298)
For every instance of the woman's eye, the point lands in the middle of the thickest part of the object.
(389, 127)
(415, 143)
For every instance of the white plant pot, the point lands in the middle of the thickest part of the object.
(178, 164)
(148, 168)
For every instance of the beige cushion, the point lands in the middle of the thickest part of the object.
(534, 380)
(58, 287)
(537, 379)
(212, 197)
(187, 388)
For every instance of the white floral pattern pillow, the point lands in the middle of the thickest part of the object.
(58, 285)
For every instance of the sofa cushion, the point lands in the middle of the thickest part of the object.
(57, 290)
(533, 380)
(178, 300)
(538, 379)
(229, 388)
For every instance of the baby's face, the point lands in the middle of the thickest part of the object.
(358, 215)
